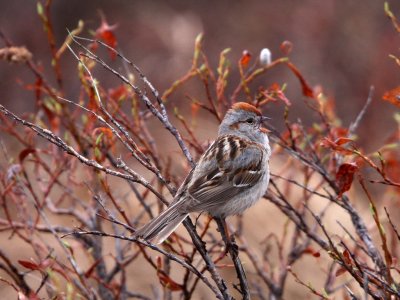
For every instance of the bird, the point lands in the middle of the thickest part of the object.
(230, 176)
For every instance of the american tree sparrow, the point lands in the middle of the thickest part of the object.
(231, 175)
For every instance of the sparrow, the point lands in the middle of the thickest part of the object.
(230, 176)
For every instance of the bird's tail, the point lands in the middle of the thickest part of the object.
(161, 227)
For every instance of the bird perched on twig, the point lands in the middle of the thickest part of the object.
(231, 175)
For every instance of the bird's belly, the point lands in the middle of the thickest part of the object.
(244, 200)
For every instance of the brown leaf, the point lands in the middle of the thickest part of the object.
(345, 176)
(393, 96)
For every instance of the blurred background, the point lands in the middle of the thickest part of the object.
(342, 45)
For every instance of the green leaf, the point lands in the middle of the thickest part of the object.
(387, 9)
(39, 8)
(97, 153)
(98, 140)
(66, 244)
(372, 210)
(397, 117)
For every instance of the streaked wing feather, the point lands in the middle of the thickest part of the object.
(232, 175)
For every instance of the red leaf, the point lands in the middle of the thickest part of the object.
(339, 132)
(273, 93)
(345, 176)
(106, 131)
(29, 265)
(159, 263)
(340, 271)
(286, 47)
(392, 166)
(393, 96)
(105, 33)
(327, 143)
(118, 93)
(194, 110)
(347, 257)
(24, 153)
(312, 252)
(245, 59)
(307, 90)
(341, 141)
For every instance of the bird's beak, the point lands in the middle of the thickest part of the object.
(264, 118)
(263, 129)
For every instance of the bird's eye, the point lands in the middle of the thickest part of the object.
(250, 120)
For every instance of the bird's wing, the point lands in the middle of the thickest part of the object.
(230, 166)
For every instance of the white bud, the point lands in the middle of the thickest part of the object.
(265, 57)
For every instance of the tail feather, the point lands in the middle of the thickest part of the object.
(161, 227)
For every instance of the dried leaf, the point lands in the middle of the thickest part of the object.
(15, 54)
(345, 176)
